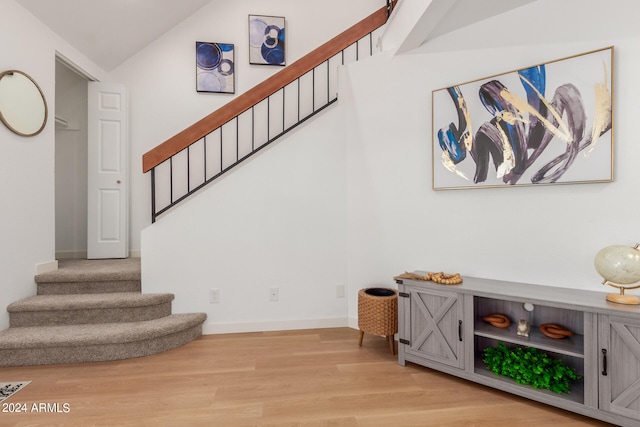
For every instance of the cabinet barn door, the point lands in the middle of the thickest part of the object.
(619, 337)
(435, 327)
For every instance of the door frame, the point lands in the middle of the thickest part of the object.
(78, 252)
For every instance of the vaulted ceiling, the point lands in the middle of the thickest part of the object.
(110, 31)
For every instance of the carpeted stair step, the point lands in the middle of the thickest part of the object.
(93, 310)
(43, 345)
(91, 277)
(54, 310)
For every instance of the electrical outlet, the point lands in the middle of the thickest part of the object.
(274, 294)
(214, 296)
(340, 291)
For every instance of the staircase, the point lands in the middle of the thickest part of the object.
(93, 310)
(195, 157)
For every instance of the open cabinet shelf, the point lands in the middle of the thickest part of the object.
(577, 388)
(571, 346)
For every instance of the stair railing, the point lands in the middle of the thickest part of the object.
(203, 152)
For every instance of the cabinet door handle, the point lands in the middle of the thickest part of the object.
(460, 330)
(604, 361)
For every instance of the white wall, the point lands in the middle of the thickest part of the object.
(393, 220)
(276, 221)
(27, 226)
(355, 206)
(161, 78)
(545, 235)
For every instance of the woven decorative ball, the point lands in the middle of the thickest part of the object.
(378, 311)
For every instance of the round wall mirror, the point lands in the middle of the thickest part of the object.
(23, 108)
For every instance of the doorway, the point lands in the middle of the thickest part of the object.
(70, 162)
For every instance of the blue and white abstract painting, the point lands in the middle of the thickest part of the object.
(266, 40)
(551, 123)
(215, 67)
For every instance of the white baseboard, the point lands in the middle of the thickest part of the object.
(83, 254)
(71, 255)
(45, 267)
(282, 325)
(352, 322)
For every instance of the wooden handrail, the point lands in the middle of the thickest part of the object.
(253, 96)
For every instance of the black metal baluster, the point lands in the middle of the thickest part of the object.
(188, 169)
(204, 161)
(171, 179)
(328, 83)
(313, 89)
(153, 194)
(253, 130)
(298, 79)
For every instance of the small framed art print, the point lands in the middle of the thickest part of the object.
(215, 67)
(266, 40)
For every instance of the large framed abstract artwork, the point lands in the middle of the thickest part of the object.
(547, 124)
(215, 67)
(266, 40)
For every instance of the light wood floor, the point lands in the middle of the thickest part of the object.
(311, 377)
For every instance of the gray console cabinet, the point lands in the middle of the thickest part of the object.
(441, 327)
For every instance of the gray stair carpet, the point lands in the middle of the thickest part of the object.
(92, 310)
(51, 310)
(44, 345)
(75, 276)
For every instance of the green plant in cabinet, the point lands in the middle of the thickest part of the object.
(530, 366)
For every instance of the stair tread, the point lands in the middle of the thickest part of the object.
(96, 334)
(88, 301)
(93, 270)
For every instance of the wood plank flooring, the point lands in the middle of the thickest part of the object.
(290, 378)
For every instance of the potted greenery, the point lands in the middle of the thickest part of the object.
(530, 366)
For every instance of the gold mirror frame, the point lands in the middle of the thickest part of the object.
(23, 108)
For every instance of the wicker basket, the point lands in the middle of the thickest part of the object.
(378, 313)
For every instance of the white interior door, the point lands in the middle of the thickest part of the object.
(108, 171)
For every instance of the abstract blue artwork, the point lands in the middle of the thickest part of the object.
(551, 123)
(215, 67)
(266, 40)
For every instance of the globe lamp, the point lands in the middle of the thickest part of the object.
(619, 266)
